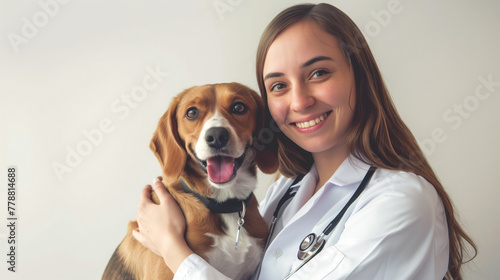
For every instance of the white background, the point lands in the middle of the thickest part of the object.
(66, 68)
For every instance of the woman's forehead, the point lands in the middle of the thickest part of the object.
(299, 43)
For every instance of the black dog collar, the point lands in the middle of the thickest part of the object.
(229, 206)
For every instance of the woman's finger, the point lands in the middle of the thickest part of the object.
(146, 195)
(161, 191)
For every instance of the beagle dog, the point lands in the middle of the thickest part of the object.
(206, 144)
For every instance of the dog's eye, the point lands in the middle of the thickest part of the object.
(192, 113)
(239, 108)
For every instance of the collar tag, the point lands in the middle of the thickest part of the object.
(241, 221)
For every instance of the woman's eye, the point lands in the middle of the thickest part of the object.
(319, 73)
(278, 86)
(192, 113)
(239, 108)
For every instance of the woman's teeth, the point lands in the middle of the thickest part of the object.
(311, 122)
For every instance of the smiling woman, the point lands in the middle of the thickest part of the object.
(310, 87)
(372, 132)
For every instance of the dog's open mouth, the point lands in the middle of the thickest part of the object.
(222, 169)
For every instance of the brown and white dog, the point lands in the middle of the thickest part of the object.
(205, 144)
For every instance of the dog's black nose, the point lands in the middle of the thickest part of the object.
(217, 137)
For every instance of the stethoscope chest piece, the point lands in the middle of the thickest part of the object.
(310, 246)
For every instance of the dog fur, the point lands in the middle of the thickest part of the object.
(180, 145)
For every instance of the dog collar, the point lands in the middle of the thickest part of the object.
(229, 206)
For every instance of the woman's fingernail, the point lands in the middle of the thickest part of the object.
(157, 179)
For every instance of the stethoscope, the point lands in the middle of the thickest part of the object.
(312, 244)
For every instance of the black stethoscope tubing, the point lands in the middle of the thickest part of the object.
(359, 190)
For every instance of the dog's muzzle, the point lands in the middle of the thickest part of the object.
(220, 168)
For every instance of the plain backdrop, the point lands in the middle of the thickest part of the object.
(83, 84)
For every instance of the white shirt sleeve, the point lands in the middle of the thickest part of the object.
(195, 267)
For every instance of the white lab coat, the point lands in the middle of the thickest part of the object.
(396, 229)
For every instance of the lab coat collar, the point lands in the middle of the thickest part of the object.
(352, 170)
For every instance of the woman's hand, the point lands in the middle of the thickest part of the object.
(162, 226)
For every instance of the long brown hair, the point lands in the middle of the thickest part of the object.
(378, 135)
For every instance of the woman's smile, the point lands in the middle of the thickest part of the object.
(314, 122)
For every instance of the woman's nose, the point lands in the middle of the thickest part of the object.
(301, 98)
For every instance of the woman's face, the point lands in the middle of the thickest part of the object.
(310, 88)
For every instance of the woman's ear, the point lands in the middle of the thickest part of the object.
(167, 146)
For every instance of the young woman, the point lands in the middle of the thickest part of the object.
(324, 90)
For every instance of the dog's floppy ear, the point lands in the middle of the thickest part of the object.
(265, 138)
(167, 145)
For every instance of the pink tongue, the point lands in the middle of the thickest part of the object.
(220, 169)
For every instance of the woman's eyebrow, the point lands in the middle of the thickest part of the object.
(307, 63)
(314, 60)
(273, 75)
